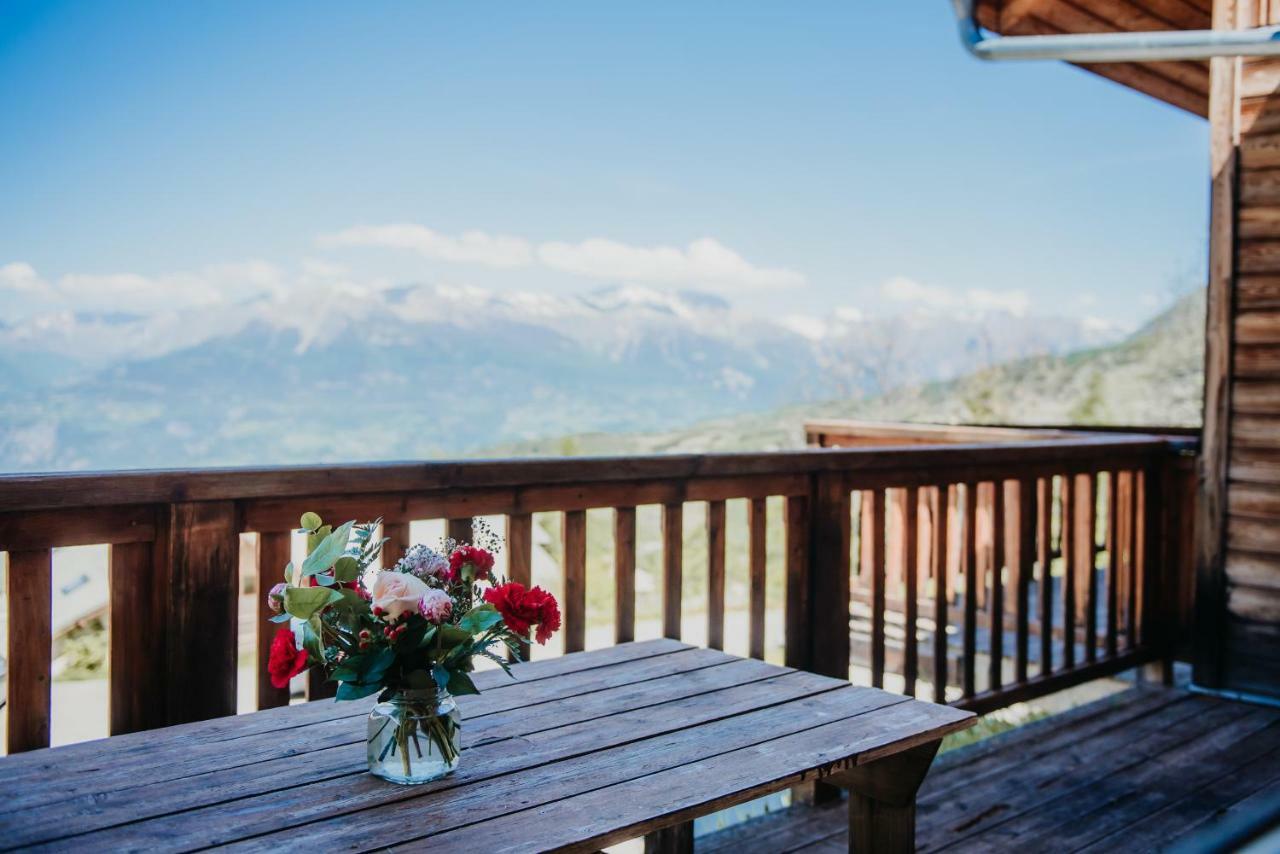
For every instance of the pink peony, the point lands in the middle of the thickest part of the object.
(275, 599)
(436, 606)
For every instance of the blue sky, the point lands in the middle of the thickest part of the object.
(798, 158)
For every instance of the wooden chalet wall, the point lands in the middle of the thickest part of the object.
(1238, 599)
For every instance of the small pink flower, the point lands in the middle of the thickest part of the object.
(435, 606)
(275, 599)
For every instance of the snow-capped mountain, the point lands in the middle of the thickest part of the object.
(339, 373)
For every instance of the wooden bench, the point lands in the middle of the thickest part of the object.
(576, 753)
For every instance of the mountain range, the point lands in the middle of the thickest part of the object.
(420, 371)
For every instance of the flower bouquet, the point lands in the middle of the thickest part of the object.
(409, 634)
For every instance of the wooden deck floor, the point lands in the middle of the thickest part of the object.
(1129, 773)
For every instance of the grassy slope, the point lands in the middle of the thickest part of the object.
(1153, 377)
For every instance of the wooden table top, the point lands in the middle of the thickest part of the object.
(588, 749)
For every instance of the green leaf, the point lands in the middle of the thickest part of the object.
(378, 665)
(288, 573)
(317, 536)
(311, 522)
(452, 635)
(311, 638)
(327, 553)
(480, 619)
(354, 691)
(280, 618)
(303, 602)
(427, 638)
(346, 569)
(460, 684)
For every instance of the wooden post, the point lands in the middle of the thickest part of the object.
(882, 800)
(877, 586)
(829, 576)
(202, 580)
(756, 526)
(911, 573)
(672, 568)
(715, 574)
(30, 648)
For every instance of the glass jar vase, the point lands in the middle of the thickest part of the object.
(414, 736)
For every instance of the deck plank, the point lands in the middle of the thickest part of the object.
(1188, 760)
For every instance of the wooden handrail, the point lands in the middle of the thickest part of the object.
(938, 545)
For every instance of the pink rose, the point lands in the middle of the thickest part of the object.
(436, 606)
(396, 593)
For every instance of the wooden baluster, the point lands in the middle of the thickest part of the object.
(1135, 523)
(672, 568)
(715, 574)
(1067, 538)
(1022, 561)
(520, 557)
(995, 669)
(911, 546)
(1126, 592)
(829, 575)
(866, 538)
(877, 586)
(135, 680)
(969, 566)
(459, 530)
(574, 534)
(1086, 560)
(30, 653)
(1044, 520)
(1113, 559)
(273, 554)
(201, 599)
(797, 521)
(1146, 524)
(941, 514)
(624, 574)
(397, 536)
(756, 513)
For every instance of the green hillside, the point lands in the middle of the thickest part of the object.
(1154, 377)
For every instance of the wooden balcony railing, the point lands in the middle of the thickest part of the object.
(923, 594)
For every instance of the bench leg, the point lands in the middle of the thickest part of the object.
(670, 840)
(882, 800)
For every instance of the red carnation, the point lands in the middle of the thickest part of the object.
(522, 609)
(480, 559)
(286, 660)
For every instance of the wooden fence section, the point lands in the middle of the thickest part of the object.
(919, 578)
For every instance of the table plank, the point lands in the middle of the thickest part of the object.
(675, 731)
(33, 779)
(686, 739)
(570, 750)
(336, 750)
(612, 814)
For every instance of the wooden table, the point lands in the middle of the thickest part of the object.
(578, 752)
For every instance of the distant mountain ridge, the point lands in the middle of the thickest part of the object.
(420, 371)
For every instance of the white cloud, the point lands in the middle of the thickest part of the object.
(704, 262)
(134, 293)
(471, 247)
(978, 300)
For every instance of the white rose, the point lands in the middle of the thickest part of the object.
(395, 593)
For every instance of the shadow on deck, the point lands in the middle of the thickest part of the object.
(1132, 772)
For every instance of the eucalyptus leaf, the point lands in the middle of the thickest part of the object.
(303, 602)
(288, 573)
(346, 569)
(328, 551)
(311, 522)
(281, 618)
(317, 536)
(452, 635)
